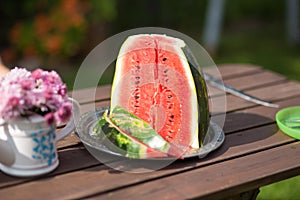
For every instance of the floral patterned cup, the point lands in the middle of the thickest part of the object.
(28, 145)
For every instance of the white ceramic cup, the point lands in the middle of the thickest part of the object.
(28, 146)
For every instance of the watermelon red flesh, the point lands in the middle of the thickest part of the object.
(153, 81)
(143, 132)
(159, 111)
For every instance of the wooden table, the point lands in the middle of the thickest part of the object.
(255, 153)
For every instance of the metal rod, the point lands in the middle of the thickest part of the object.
(227, 88)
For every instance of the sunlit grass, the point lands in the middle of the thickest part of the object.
(264, 45)
(287, 189)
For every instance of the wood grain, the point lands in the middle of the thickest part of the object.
(223, 179)
(236, 145)
(254, 153)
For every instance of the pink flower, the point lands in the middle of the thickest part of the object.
(37, 74)
(14, 102)
(63, 114)
(27, 84)
(48, 93)
(24, 93)
(10, 108)
(62, 90)
(49, 117)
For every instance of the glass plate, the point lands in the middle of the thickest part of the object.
(84, 129)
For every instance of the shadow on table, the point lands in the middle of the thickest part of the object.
(66, 164)
(119, 164)
(246, 133)
(240, 121)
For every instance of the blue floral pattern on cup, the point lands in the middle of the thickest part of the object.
(45, 146)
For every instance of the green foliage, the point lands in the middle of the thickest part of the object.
(261, 44)
(50, 29)
(103, 9)
(266, 10)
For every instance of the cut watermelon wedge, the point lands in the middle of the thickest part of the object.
(119, 141)
(135, 136)
(153, 80)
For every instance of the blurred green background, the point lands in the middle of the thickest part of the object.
(59, 34)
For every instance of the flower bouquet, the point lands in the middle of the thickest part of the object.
(32, 105)
(25, 93)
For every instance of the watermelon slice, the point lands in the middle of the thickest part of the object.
(153, 80)
(135, 136)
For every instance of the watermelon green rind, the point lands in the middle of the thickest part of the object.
(127, 146)
(121, 142)
(202, 94)
(143, 132)
(124, 145)
(138, 128)
(202, 105)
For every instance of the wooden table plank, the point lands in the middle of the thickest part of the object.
(261, 79)
(258, 111)
(223, 179)
(236, 145)
(233, 70)
(237, 121)
(66, 158)
(271, 93)
(247, 121)
(277, 92)
(255, 116)
(252, 135)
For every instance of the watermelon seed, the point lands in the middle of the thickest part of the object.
(136, 97)
(164, 59)
(137, 82)
(166, 70)
(172, 116)
(137, 78)
(170, 96)
(138, 67)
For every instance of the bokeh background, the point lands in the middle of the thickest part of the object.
(59, 34)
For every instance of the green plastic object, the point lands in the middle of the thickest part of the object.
(288, 121)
